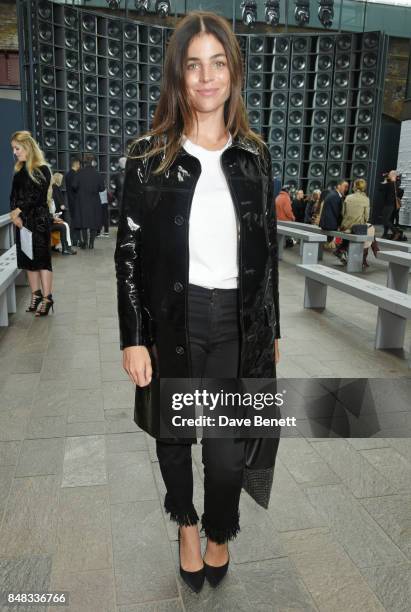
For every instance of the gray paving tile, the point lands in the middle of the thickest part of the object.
(83, 530)
(91, 591)
(85, 378)
(392, 465)
(6, 479)
(304, 463)
(54, 368)
(365, 542)
(110, 351)
(274, 585)
(85, 358)
(130, 477)
(393, 514)
(29, 523)
(84, 461)
(18, 391)
(402, 446)
(29, 363)
(392, 584)
(142, 559)
(120, 420)
(109, 335)
(25, 575)
(333, 580)
(9, 452)
(124, 442)
(355, 471)
(46, 427)
(85, 429)
(51, 398)
(40, 457)
(85, 405)
(108, 322)
(289, 507)
(167, 605)
(113, 371)
(13, 424)
(366, 443)
(118, 394)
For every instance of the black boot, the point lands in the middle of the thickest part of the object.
(65, 249)
(91, 243)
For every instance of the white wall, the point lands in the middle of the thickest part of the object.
(404, 167)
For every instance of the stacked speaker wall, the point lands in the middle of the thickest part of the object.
(93, 83)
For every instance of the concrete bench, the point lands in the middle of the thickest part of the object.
(393, 245)
(6, 232)
(309, 242)
(355, 246)
(394, 307)
(8, 275)
(399, 264)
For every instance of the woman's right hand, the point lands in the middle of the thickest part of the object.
(137, 364)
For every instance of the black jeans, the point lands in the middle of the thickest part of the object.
(215, 351)
(104, 217)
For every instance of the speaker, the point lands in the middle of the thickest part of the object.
(255, 81)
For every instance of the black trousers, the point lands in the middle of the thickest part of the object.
(104, 217)
(214, 333)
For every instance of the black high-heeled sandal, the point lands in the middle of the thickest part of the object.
(46, 303)
(194, 580)
(36, 298)
(215, 574)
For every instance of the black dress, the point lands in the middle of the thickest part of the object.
(31, 198)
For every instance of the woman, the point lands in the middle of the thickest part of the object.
(313, 207)
(87, 184)
(355, 212)
(57, 219)
(197, 274)
(29, 208)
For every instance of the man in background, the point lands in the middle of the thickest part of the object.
(71, 198)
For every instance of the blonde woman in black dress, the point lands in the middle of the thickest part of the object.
(29, 208)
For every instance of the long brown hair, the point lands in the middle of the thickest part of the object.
(174, 114)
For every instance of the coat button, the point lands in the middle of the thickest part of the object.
(180, 350)
(179, 220)
(178, 287)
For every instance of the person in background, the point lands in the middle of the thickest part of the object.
(283, 205)
(400, 193)
(29, 204)
(284, 211)
(331, 213)
(313, 207)
(299, 205)
(356, 211)
(58, 196)
(87, 184)
(389, 206)
(118, 180)
(104, 230)
(71, 197)
(276, 186)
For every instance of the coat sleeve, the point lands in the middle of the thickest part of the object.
(128, 257)
(271, 218)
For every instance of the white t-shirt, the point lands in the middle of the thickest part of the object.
(213, 224)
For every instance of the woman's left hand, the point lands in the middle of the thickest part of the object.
(276, 351)
(18, 222)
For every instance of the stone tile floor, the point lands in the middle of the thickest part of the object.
(81, 492)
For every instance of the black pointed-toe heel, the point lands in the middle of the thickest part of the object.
(46, 303)
(214, 574)
(194, 580)
(36, 298)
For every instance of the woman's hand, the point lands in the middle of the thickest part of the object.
(276, 351)
(57, 220)
(17, 222)
(137, 364)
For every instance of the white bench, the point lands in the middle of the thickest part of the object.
(399, 264)
(6, 232)
(393, 245)
(8, 275)
(394, 307)
(309, 242)
(355, 246)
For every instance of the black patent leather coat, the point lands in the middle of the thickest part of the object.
(152, 264)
